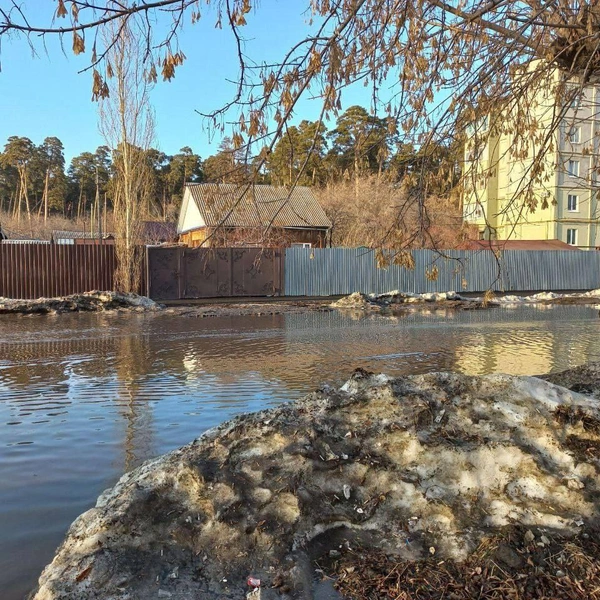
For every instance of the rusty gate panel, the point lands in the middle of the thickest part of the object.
(206, 273)
(255, 272)
(164, 273)
(187, 273)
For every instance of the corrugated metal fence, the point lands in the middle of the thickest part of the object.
(335, 271)
(36, 270)
(47, 270)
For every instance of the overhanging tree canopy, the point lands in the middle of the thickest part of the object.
(433, 66)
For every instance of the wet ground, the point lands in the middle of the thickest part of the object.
(84, 397)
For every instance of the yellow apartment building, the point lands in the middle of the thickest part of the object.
(541, 185)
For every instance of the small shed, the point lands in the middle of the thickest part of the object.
(81, 238)
(225, 215)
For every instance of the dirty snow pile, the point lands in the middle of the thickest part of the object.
(547, 297)
(88, 301)
(355, 300)
(399, 297)
(358, 300)
(416, 467)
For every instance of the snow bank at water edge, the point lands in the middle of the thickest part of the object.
(546, 297)
(89, 301)
(364, 301)
(358, 300)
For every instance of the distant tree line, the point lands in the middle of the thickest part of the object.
(360, 165)
(34, 179)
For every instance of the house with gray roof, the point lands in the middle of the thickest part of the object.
(225, 215)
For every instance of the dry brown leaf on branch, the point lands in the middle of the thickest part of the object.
(61, 10)
(78, 44)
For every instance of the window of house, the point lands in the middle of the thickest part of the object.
(572, 202)
(572, 237)
(574, 135)
(573, 168)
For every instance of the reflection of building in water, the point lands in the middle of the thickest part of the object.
(531, 354)
(524, 347)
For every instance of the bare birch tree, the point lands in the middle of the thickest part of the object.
(127, 124)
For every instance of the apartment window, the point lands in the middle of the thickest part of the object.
(572, 202)
(573, 168)
(572, 237)
(574, 135)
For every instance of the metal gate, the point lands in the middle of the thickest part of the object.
(187, 273)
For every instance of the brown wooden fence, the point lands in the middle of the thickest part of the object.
(47, 270)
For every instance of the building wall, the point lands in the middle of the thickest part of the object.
(194, 238)
(497, 201)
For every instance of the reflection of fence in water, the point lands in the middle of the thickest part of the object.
(438, 315)
(526, 340)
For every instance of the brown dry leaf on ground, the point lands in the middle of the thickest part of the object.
(513, 564)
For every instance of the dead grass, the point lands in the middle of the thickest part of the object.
(507, 565)
(39, 229)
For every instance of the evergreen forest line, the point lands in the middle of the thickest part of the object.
(365, 175)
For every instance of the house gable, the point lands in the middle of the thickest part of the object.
(189, 216)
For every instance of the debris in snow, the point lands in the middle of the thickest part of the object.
(529, 536)
(354, 301)
(358, 300)
(392, 299)
(487, 487)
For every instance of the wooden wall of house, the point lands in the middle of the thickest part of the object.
(315, 237)
(195, 238)
(277, 238)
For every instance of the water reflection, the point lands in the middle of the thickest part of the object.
(85, 397)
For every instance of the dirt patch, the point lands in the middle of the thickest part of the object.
(255, 309)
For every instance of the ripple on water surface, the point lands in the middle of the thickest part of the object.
(84, 398)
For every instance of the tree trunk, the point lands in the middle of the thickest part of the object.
(46, 196)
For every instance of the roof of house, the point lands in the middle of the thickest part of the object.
(516, 245)
(77, 235)
(232, 205)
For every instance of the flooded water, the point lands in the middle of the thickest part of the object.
(84, 398)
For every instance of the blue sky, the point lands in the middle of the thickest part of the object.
(45, 96)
